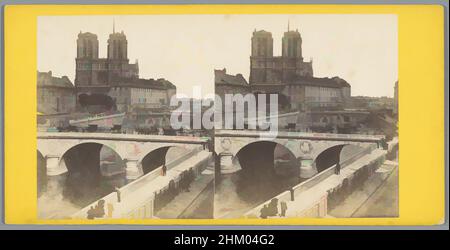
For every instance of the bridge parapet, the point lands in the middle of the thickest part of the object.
(130, 148)
(137, 197)
(304, 146)
(309, 198)
(123, 137)
(301, 135)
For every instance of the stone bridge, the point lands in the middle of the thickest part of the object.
(305, 147)
(131, 148)
(138, 199)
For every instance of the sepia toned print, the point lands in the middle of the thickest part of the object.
(106, 148)
(235, 116)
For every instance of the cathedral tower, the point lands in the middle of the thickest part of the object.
(262, 44)
(262, 51)
(87, 52)
(117, 46)
(87, 45)
(292, 45)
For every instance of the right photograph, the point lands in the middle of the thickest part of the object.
(306, 117)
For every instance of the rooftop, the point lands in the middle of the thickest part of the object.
(292, 33)
(262, 33)
(120, 35)
(87, 34)
(221, 76)
(335, 82)
(48, 80)
(160, 83)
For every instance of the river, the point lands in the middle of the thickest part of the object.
(80, 188)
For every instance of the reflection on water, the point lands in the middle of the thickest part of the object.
(82, 191)
(256, 187)
(263, 175)
(93, 172)
(235, 194)
(76, 194)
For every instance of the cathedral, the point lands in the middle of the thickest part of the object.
(288, 75)
(113, 83)
(93, 71)
(265, 68)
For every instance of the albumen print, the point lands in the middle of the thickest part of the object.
(217, 116)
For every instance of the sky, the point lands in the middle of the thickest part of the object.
(185, 49)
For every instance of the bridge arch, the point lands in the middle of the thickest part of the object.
(334, 154)
(118, 148)
(264, 168)
(41, 174)
(93, 170)
(156, 157)
(236, 146)
(328, 157)
(265, 148)
(94, 145)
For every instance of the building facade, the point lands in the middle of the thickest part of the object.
(55, 95)
(142, 93)
(265, 68)
(373, 103)
(113, 82)
(230, 84)
(94, 71)
(288, 75)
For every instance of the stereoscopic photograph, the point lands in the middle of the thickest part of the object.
(217, 116)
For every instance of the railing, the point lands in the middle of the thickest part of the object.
(301, 135)
(123, 137)
(192, 203)
(138, 183)
(329, 171)
(152, 202)
(264, 118)
(306, 185)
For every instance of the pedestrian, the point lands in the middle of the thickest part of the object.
(96, 212)
(283, 208)
(164, 170)
(273, 207)
(118, 194)
(264, 211)
(91, 213)
(100, 209)
(337, 169)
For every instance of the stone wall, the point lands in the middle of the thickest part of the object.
(55, 100)
(348, 185)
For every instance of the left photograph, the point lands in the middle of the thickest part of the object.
(117, 137)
